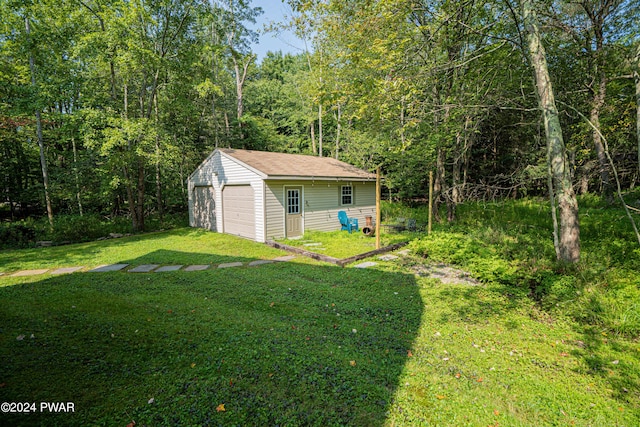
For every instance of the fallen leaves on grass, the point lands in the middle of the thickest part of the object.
(409, 354)
(352, 363)
(220, 408)
(440, 396)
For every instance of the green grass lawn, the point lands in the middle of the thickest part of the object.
(300, 343)
(181, 246)
(342, 244)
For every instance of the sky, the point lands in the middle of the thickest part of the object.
(287, 42)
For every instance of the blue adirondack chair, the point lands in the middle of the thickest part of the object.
(347, 223)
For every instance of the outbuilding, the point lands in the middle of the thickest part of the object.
(263, 195)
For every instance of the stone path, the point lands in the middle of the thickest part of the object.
(446, 274)
(147, 268)
(443, 272)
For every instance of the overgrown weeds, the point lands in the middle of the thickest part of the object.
(511, 243)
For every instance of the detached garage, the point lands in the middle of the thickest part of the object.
(260, 195)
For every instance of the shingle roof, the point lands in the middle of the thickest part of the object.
(276, 165)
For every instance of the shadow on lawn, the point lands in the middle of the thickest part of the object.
(278, 344)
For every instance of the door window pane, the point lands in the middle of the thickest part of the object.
(293, 202)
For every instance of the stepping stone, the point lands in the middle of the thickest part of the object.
(109, 268)
(66, 270)
(387, 257)
(260, 262)
(29, 272)
(284, 258)
(366, 264)
(168, 268)
(196, 267)
(313, 244)
(404, 252)
(144, 268)
(230, 264)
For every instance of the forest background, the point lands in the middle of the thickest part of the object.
(106, 106)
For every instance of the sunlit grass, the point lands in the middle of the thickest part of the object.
(181, 246)
(342, 244)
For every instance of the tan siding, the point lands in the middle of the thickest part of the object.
(321, 205)
(274, 203)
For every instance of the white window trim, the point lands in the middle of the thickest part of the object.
(342, 195)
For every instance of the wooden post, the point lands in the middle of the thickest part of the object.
(430, 201)
(378, 214)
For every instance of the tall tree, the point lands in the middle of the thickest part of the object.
(636, 77)
(43, 158)
(568, 237)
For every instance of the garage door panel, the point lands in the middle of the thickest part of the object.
(238, 210)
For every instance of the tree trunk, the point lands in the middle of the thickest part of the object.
(240, 79)
(214, 77)
(598, 103)
(76, 174)
(338, 126)
(312, 126)
(636, 75)
(320, 129)
(140, 196)
(466, 155)
(438, 183)
(157, 165)
(569, 230)
(43, 158)
(227, 127)
(457, 168)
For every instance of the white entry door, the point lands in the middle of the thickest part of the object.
(293, 211)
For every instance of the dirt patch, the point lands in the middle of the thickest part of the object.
(446, 274)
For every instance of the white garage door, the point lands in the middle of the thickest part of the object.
(204, 207)
(238, 210)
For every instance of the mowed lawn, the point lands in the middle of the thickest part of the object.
(294, 343)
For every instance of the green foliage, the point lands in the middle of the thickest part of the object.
(463, 250)
(509, 244)
(75, 228)
(17, 234)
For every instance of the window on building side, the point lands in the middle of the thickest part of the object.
(346, 197)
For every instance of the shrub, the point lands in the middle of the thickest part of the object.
(17, 235)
